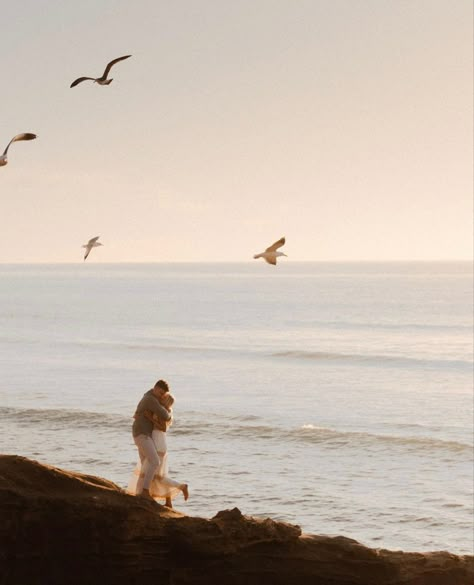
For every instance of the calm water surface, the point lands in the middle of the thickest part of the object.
(335, 396)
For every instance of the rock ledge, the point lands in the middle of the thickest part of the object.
(63, 528)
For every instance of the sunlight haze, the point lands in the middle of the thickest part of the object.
(344, 125)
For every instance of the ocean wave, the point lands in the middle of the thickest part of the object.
(371, 326)
(323, 435)
(370, 359)
(336, 438)
(150, 346)
(62, 418)
(262, 353)
(191, 424)
(317, 434)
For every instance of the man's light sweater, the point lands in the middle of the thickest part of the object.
(142, 425)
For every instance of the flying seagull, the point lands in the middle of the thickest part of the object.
(100, 80)
(270, 255)
(24, 136)
(92, 243)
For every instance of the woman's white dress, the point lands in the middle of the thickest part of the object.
(162, 486)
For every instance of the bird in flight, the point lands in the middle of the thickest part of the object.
(270, 255)
(24, 136)
(100, 80)
(92, 243)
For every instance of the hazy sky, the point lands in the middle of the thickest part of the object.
(345, 125)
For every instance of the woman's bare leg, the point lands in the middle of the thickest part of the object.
(146, 494)
(184, 488)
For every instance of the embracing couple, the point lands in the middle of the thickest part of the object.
(152, 419)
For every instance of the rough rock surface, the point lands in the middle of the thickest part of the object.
(64, 528)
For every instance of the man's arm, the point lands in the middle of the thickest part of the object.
(158, 423)
(151, 403)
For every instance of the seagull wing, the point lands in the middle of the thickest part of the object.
(271, 260)
(111, 64)
(92, 241)
(88, 251)
(276, 245)
(23, 136)
(80, 80)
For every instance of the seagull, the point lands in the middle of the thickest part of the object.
(270, 255)
(92, 243)
(24, 136)
(100, 80)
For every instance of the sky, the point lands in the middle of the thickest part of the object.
(344, 125)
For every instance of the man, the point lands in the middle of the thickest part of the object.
(142, 431)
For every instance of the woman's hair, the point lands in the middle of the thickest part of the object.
(167, 400)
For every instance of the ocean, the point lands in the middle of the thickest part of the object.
(335, 396)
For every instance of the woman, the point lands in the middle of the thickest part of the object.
(162, 487)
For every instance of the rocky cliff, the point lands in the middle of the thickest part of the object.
(64, 528)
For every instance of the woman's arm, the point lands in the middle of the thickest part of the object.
(158, 422)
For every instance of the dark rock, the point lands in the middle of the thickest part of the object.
(63, 528)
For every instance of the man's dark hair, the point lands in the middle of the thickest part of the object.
(163, 385)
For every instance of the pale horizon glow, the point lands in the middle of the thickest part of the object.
(346, 127)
